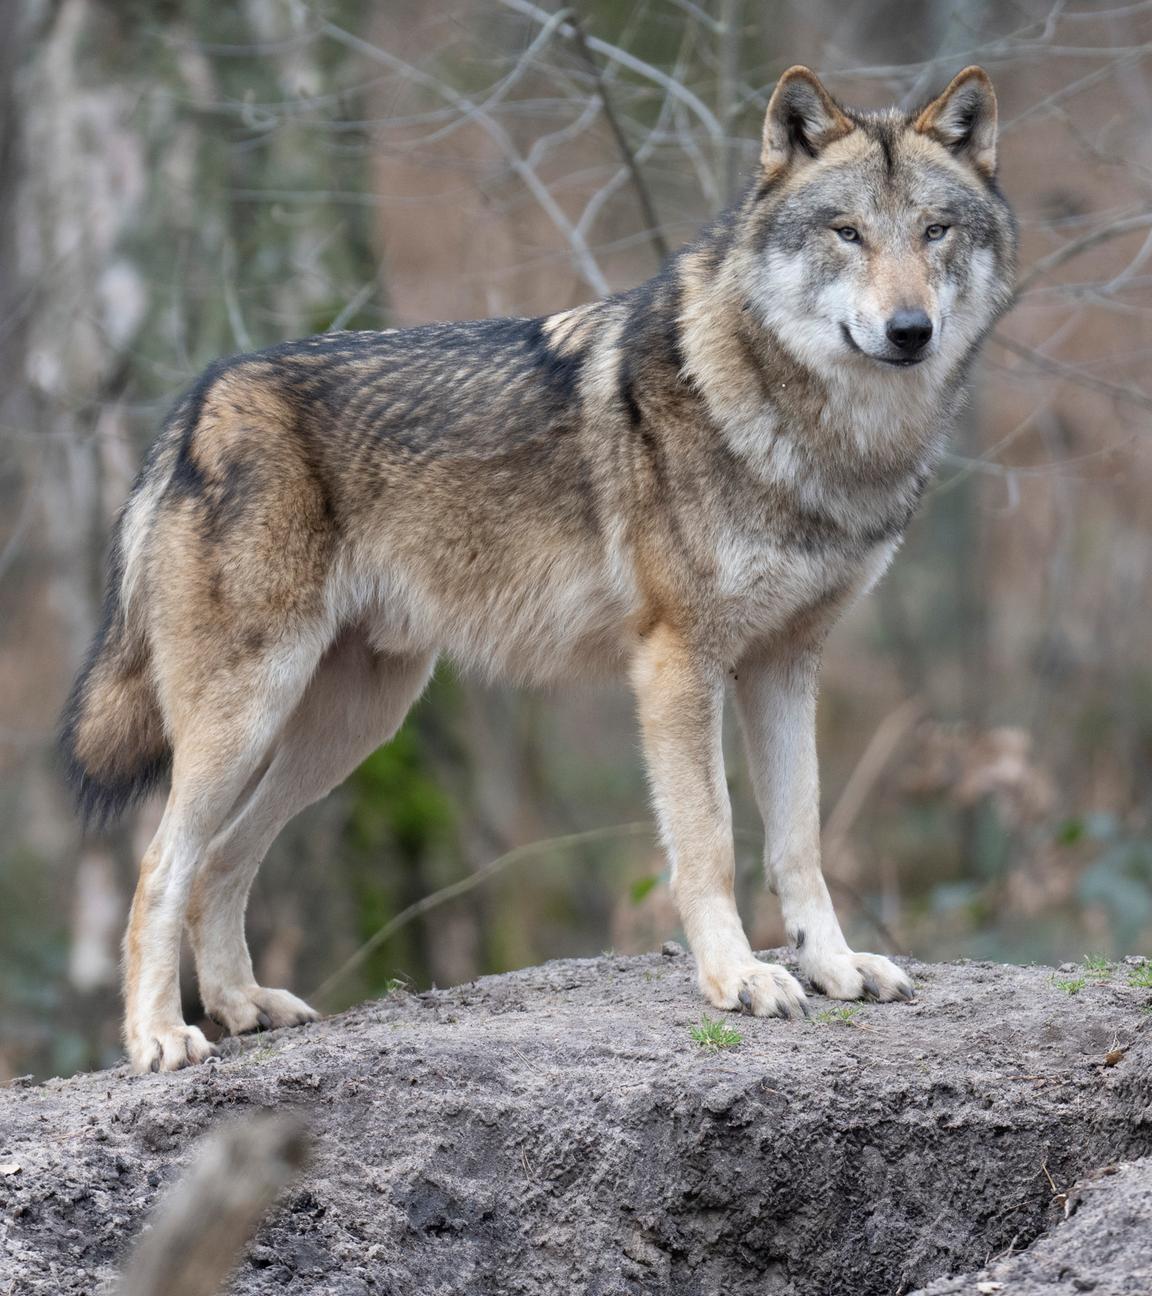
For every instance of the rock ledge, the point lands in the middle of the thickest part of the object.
(557, 1130)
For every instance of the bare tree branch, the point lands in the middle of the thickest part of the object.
(634, 64)
(643, 197)
(1129, 395)
(462, 887)
(1080, 245)
(204, 1223)
(581, 253)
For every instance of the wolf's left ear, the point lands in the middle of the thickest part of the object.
(963, 119)
(802, 120)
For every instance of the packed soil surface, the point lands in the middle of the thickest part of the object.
(558, 1130)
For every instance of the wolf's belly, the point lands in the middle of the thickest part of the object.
(557, 612)
(531, 617)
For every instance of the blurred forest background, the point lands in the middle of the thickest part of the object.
(181, 179)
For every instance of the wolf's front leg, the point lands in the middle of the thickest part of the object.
(681, 700)
(776, 695)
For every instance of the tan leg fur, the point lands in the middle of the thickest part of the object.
(681, 700)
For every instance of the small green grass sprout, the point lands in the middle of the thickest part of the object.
(1141, 977)
(713, 1034)
(844, 1015)
(1070, 987)
(1096, 965)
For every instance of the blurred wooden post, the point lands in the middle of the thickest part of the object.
(202, 1226)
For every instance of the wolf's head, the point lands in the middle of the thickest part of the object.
(878, 240)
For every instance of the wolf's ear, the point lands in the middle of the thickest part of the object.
(963, 119)
(802, 120)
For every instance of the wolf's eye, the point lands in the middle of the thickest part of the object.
(849, 233)
(934, 233)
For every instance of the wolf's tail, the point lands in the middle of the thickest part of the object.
(112, 734)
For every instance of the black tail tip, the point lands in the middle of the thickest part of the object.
(101, 801)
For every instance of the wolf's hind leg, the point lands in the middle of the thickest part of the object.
(681, 700)
(776, 697)
(224, 723)
(355, 702)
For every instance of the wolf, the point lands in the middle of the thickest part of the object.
(685, 484)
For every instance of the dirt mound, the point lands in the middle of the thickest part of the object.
(559, 1130)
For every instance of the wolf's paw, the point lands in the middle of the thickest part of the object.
(759, 989)
(168, 1049)
(252, 1008)
(858, 976)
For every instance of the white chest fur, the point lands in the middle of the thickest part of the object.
(761, 585)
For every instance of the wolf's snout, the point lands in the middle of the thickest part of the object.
(909, 331)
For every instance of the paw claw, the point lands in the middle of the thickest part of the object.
(754, 988)
(171, 1048)
(845, 975)
(251, 1008)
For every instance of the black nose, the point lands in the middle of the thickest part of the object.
(909, 330)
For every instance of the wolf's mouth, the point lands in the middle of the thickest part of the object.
(900, 362)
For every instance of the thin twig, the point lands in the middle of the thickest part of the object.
(1082, 244)
(866, 911)
(581, 253)
(643, 196)
(727, 79)
(1058, 369)
(351, 306)
(845, 888)
(882, 746)
(463, 886)
(634, 64)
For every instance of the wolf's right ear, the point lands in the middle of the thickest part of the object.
(802, 120)
(963, 119)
